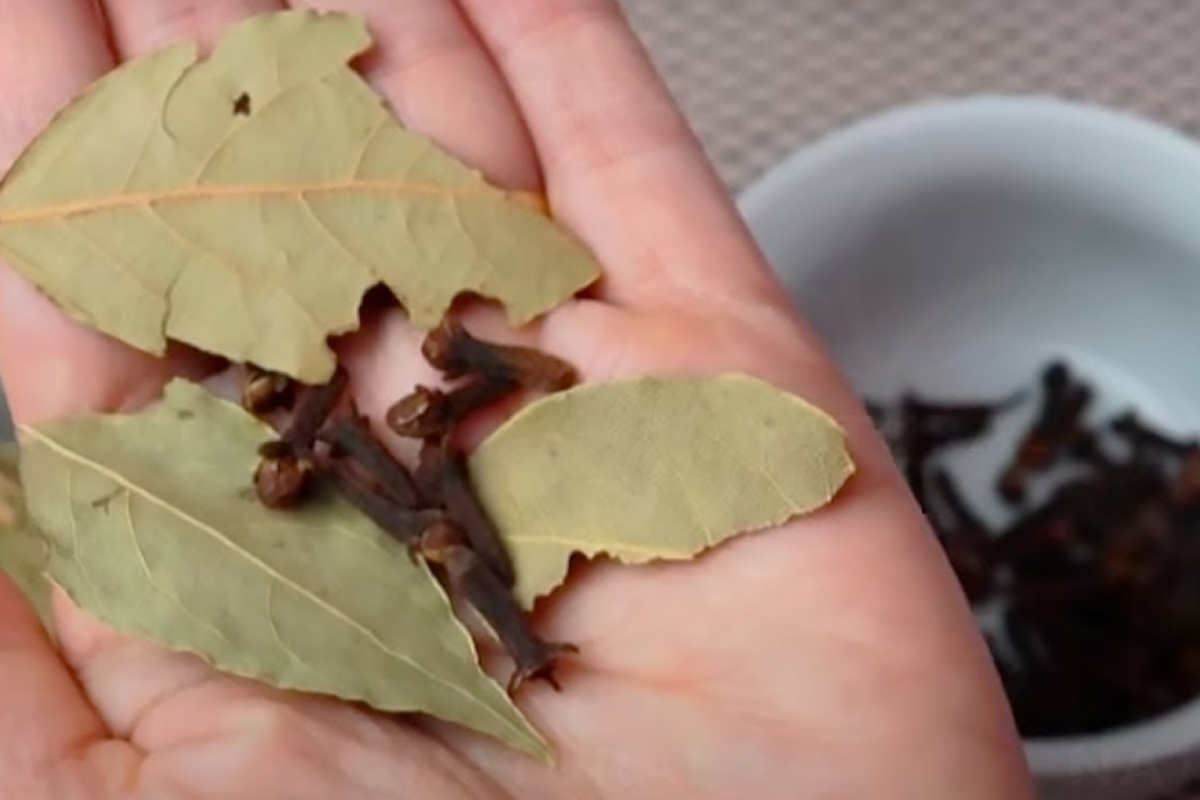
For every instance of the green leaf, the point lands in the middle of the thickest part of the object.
(23, 550)
(151, 209)
(153, 527)
(654, 468)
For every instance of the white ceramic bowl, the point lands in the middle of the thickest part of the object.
(955, 247)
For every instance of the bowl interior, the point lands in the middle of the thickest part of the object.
(956, 248)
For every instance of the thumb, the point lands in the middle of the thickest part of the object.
(52, 742)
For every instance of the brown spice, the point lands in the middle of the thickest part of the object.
(264, 391)
(445, 544)
(453, 350)
(427, 413)
(282, 482)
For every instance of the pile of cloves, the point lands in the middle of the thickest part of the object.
(1096, 588)
(433, 510)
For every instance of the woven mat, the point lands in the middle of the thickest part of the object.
(759, 78)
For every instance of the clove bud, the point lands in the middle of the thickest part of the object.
(452, 349)
(1057, 425)
(428, 413)
(281, 478)
(283, 481)
(264, 391)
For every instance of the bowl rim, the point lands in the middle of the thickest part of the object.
(1172, 733)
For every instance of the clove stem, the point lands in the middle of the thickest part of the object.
(471, 579)
(312, 408)
(1142, 436)
(404, 524)
(446, 476)
(350, 437)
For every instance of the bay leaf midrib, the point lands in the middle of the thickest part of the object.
(333, 610)
(218, 192)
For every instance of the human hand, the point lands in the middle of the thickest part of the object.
(833, 657)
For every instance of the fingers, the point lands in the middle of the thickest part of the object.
(124, 677)
(440, 80)
(51, 365)
(49, 50)
(43, 715)
(620, 164)
(143, 26)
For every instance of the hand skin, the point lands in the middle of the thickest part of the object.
(830, 658)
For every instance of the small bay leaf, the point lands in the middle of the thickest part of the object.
(653, 468)
(244, 203)
(23, 551)
(154, 528)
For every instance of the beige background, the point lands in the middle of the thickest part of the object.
(759, 78)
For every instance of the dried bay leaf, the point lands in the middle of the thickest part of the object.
(654, 468)
(23, 551)
(153, 208)
(154, 528)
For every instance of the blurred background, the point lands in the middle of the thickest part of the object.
(759, 78)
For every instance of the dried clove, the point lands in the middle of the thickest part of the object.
(352, 442)
(312, 407)
(282, 476)
(444, 544)
(453, 350)
(430, 413)
(1096, 585)
(241, 105)
(940, 423)
(264, 391)
(1144, 439)
(282, 482)
(428, 474)
(1086, 447)
(926, 426)
(445, 479)
(404, 524)
(435, 511)
(1057, 423)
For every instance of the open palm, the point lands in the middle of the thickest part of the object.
(833, 657)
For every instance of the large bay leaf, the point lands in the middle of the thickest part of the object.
(23, 550)
(154, 528)
(654, 468)
(151, 209)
